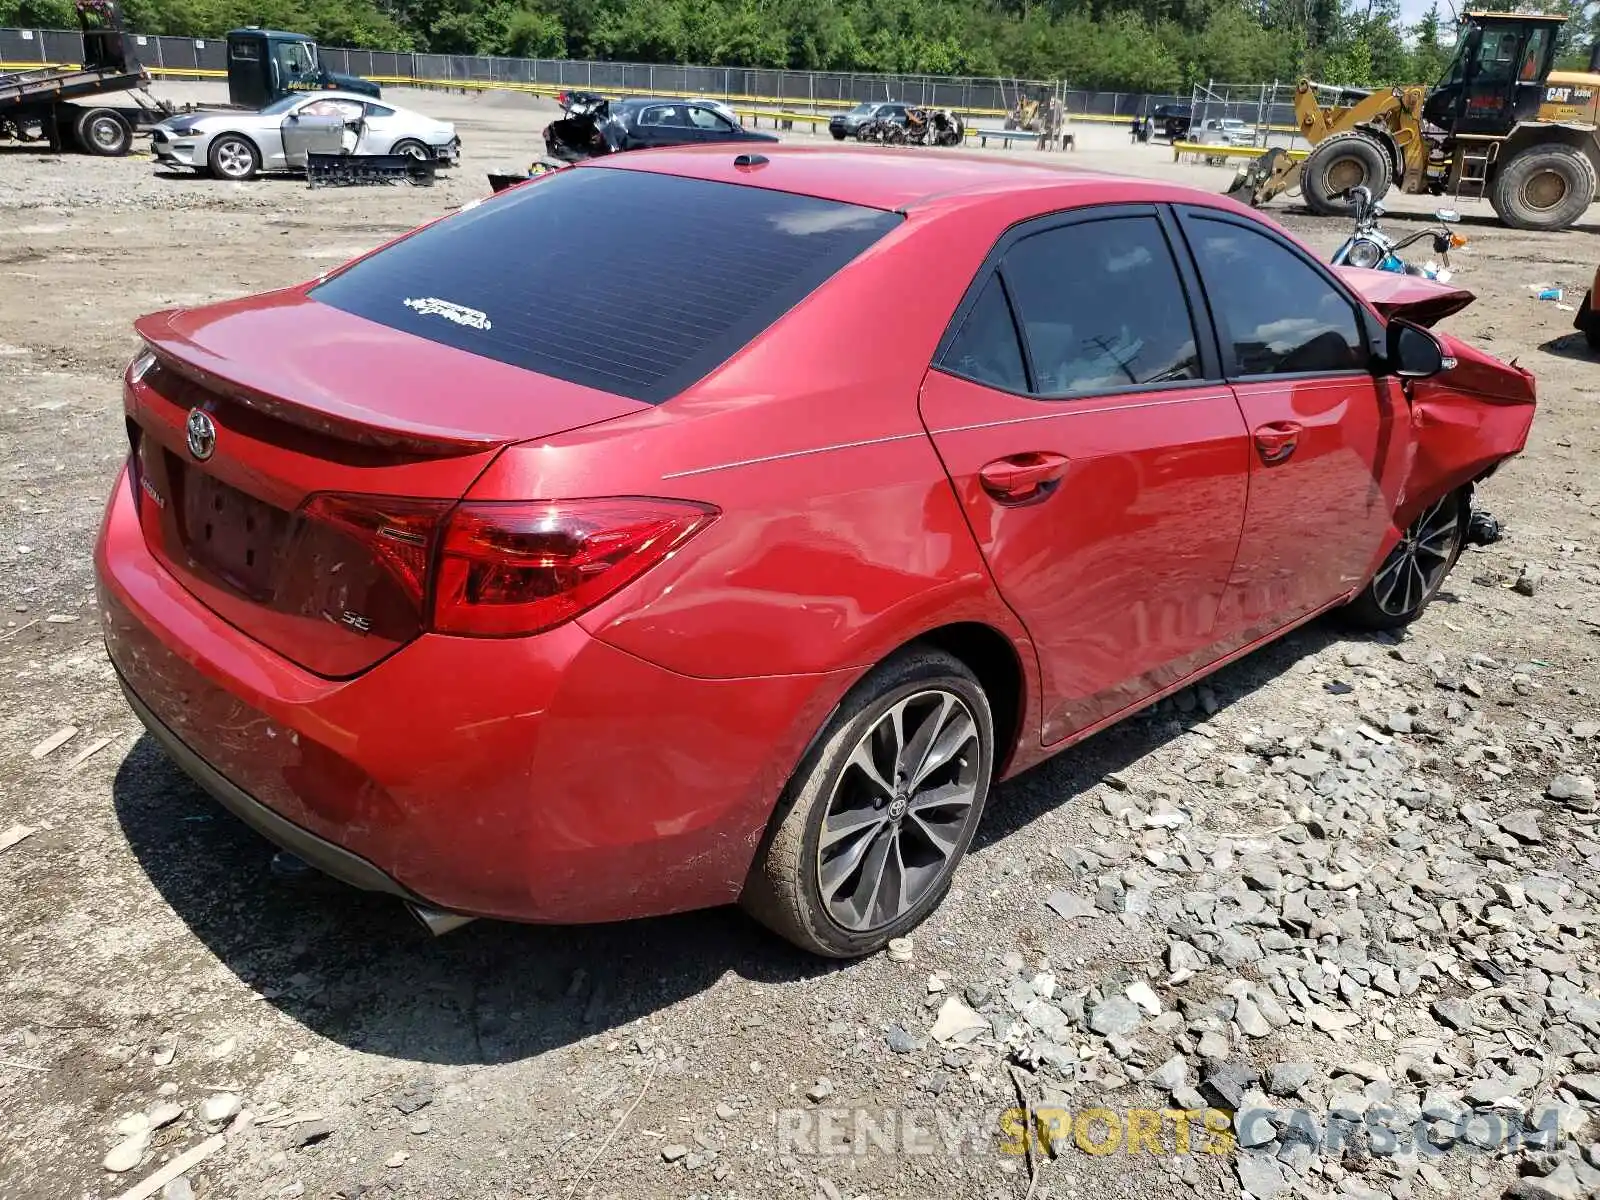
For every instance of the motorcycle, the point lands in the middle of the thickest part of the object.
(1371, 248)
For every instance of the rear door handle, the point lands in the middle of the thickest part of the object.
(1020, 478)
(1277, 441)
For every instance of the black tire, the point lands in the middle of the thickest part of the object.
(1543, 187)
(838, 134)
(233, 157)
(1377, 607)
(784, 889)
(103, 132)
(1343, 161)
(412, 147)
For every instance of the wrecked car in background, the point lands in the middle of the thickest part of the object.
(241, 145)
(593, 126)
(919, 127)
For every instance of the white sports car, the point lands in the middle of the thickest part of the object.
(240, 145)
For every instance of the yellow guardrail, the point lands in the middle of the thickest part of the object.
(550, 90)
(1201, 148)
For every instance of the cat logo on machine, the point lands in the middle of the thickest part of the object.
(1567, 95)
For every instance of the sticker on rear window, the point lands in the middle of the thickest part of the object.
(432, 306)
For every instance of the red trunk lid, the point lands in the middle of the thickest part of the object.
(307, 403)
(1410, 297)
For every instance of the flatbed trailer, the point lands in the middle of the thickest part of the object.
(62, 105)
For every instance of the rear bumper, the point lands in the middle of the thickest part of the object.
(551, 778)
(327, 857)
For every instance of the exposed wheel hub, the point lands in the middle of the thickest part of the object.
(1545, 190)
(1345, 173)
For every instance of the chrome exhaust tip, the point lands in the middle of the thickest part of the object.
(436, 921)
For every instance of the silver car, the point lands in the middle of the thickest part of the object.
(240, 145)
(722, 108)
(1227, 131)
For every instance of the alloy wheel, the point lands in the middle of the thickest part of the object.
(1417, 564)
(234, 160)
(893, 825)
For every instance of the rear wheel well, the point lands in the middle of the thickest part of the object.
(1385, 138)
(990, 656)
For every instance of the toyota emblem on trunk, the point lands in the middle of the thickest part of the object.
(202, 434)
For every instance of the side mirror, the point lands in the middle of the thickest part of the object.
(1413, 352)
(1448, 215)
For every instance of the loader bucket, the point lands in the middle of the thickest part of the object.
(1256, 183)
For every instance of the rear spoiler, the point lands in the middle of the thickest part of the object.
(1410, 297)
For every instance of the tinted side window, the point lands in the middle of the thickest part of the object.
(1102, 307)
(986, 349)
(705, 118)
(1282, 316)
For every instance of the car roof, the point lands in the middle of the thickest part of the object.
(335, 94)
(641, 101)
(892, 180)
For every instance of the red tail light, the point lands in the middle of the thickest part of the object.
(388, 567)
(507, 569)
(398, 533)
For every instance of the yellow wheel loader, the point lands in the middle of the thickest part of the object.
(1501, 125)
(1025, 114)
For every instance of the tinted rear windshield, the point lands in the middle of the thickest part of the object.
(629, 282)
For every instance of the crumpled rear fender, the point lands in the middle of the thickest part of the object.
(1463, 424)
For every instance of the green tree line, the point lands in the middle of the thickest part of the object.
(1113, 45)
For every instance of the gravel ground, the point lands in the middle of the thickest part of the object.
(1344, 890)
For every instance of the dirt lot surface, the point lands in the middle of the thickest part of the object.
(1345, 877)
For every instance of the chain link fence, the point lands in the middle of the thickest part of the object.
(174, 56)
(1267, 108)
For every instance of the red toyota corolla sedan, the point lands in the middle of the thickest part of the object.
(693, 527)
